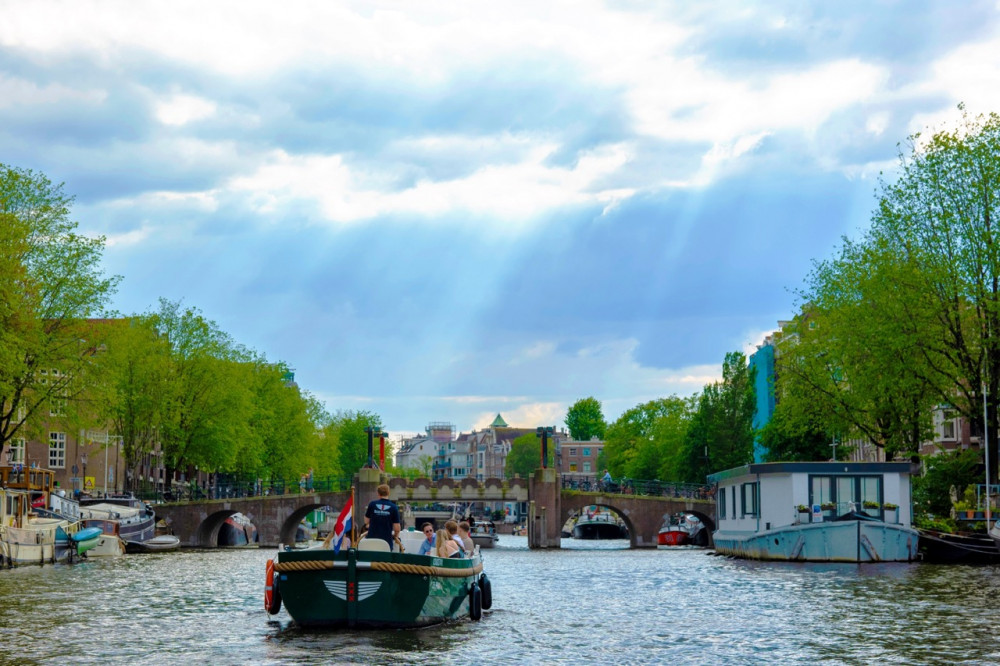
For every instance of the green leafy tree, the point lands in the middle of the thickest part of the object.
(644, 441)
(945, 471)
(721, 432)
(133, 371)
(525, 455)
(585, 420)
(50, 284)
(346, 433)
(209, 397)
(921, 291)
(795, 438)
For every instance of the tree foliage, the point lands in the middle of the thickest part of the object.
(585, 420)
(347, 442)
(644, 442)
(525, 455)
(50, 284)
(720, 435)
(913, 307)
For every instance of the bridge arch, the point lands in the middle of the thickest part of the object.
(643, 515)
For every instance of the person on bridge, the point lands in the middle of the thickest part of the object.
(382, 517)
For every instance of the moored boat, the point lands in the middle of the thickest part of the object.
(860, 512)
(237, 531)
(109, 542)
(29, 534)
(595, 523)
(945, 548)
(680, 529)
(159, 544)
(366, 588)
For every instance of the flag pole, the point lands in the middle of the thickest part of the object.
(354, 508)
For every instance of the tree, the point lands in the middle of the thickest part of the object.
(525, 456)
(721, 432)
(208, 393)
(346, 434)
(644, 441)
(50, 284)
(133, 370)
(799, 437)
(585, 420)
(933, 244)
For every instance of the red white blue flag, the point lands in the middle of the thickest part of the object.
(343, 524)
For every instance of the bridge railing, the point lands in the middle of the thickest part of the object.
(648, 487)
(185, 492)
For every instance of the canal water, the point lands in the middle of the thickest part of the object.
(592, 602)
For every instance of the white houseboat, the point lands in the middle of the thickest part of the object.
(815, 512)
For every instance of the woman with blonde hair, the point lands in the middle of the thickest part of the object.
(444, 545)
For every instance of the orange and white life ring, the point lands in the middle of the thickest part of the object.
(272, 597)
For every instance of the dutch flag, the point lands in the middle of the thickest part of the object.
(343, 525)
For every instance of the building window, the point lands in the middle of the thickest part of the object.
(586, 453)
(17, 451)
(748, 493)
(948, 428)
(57, 450)
(572, 468)
(572, 452)
(586, 467)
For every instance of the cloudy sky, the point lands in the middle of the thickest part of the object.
(438, 211)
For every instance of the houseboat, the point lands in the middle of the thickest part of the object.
(815, 512)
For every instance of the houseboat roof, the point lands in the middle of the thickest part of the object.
(822, 467)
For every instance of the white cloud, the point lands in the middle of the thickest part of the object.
(182, 109)
(512, 193)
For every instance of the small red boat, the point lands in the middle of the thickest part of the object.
(679, 530)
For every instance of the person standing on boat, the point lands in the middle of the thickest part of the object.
(382, 517)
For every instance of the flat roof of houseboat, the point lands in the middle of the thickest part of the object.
(821, 467)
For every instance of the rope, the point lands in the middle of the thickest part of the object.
(420, 570)
(392, 567)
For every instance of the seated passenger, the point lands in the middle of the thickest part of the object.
(446, 546)
(427, 545)
(466, 537)
(452, 527)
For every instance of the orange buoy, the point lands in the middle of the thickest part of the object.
(272, 597)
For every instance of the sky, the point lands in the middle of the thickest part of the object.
(441, 211)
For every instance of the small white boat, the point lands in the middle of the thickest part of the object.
(158, 544)
(858, 512)
(484, 534)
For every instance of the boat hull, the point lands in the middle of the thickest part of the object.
(158, 544)
(485, 541)
(943, 548)
(672, 538)
(598, 530)
(367, 589)
(835, 541)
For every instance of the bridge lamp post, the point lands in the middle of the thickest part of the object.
(544, 433)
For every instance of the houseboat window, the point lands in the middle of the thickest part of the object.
(749, 497)
(733, 509)
(821, 490)
(722, 504)
(845, 490)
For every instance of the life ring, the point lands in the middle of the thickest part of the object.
(487, 591)
(475, 602)
(272, 595)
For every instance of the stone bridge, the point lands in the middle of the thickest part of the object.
(277, 517)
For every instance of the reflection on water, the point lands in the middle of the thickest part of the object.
(591, 602)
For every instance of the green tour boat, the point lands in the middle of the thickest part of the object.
(369, 586)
